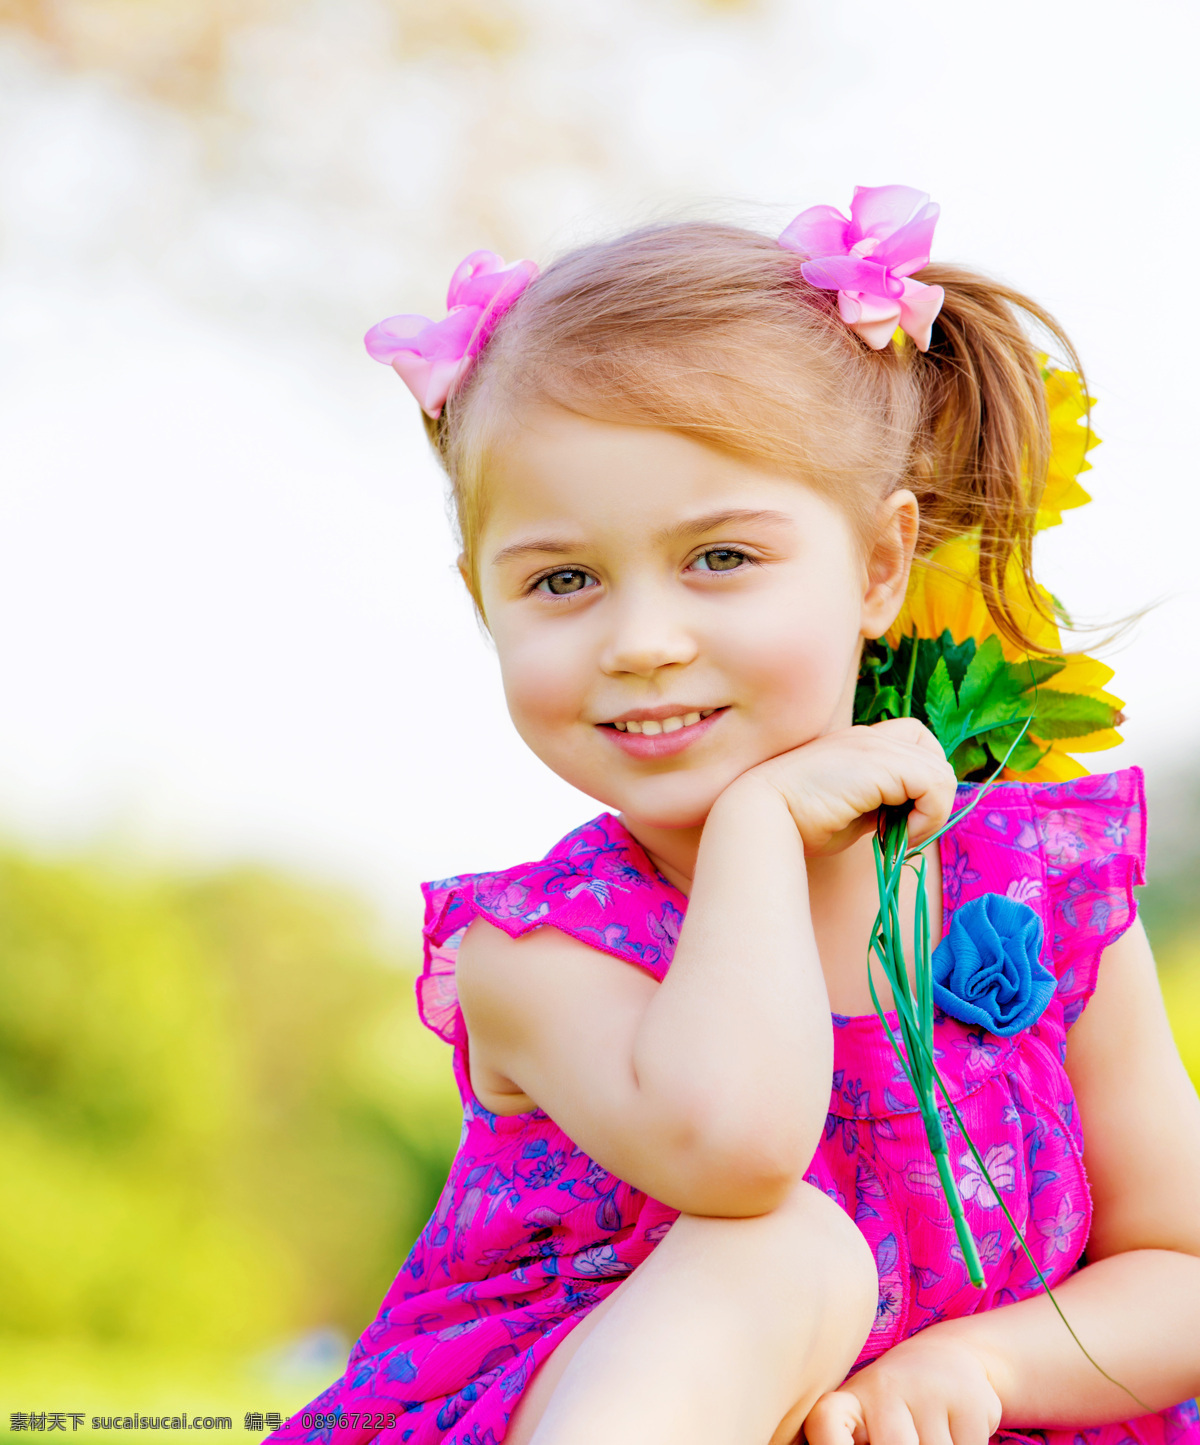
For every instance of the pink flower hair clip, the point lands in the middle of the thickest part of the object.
(869, 259)
(432, 357)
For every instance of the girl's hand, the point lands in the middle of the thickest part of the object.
(835, 785)
(930, 1390)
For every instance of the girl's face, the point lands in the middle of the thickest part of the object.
(667, 616)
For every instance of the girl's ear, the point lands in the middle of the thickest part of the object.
(889, 561)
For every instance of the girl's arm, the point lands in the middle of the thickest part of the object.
(710, 1090)
(1136, 1304)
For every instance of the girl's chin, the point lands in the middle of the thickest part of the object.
(672, 810)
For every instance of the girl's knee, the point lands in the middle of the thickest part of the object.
(831, 1252)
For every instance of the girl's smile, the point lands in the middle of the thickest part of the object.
(661, 732)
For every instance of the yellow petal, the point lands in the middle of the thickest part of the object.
(1084, 674)
(1055, 767)
(1093, 742)
(1070, 441)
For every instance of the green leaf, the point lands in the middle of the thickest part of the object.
(941, 705)
(1033, 671)
(985, 668)
(998, 712)
(968, 759)
(958, 655)
(1026, 755)
(886, 703)
(1070, 715)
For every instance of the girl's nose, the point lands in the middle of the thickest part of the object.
(647, 635)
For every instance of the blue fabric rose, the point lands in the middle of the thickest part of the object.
(987, 969)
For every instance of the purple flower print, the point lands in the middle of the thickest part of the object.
(627, 873)
(848, 1128)
(1085, 905)
(891, 1297)
(980, 1051)
(504, 899)
(665, 927)
(900, 1100)
(973, 1183)
(514, 1384)
(596, 888)
(891, 1292)
(1042, 1179)
(921, 1177)
(599, 1262)
(858, 1098)
(544, 1171)
(1062, 839)
(991, 1247)
(866, 1188)
(1060, 1230)
(1022, 890)
(957, 872)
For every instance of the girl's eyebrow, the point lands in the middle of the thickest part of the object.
(554, 546)
(695, 527)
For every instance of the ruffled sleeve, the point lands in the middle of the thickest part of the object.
(597, 885)
(1092, 837)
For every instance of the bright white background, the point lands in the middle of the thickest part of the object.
(231, 625)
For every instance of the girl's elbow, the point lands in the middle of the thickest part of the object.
(753, 1172)
(736, 1161)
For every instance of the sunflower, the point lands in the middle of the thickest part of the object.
(971, 684)
(1070, 442)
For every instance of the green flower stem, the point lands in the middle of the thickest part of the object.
(915, 1013)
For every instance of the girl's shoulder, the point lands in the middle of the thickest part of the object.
(596, 884)
(1073, 851)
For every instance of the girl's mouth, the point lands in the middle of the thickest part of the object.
(661, 737)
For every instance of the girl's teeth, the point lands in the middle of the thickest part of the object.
(651, 729)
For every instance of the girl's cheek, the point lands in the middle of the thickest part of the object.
(543, 685)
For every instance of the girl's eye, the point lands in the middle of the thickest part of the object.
(561, 584)
(719, 559)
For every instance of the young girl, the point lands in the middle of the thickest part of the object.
(692, 468)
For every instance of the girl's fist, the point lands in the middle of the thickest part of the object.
(835, 785)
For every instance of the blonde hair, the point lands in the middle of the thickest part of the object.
(709, 330)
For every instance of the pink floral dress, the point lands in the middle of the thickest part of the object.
(530, 1233)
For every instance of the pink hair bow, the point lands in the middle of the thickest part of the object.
(869, 260)
(432, 357)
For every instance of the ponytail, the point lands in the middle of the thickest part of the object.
(982, 446)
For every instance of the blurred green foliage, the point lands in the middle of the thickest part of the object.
(221, 1123)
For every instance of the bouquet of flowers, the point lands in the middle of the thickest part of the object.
(944, 661)
(998, 712)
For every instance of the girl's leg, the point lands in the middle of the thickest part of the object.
(726, 1335)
